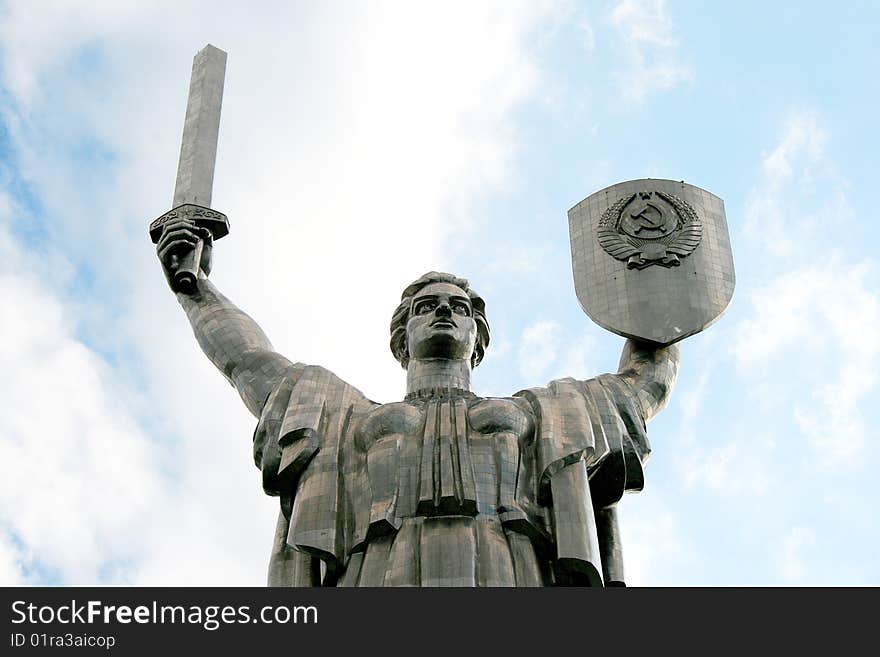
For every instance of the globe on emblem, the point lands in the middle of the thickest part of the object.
(651, 259)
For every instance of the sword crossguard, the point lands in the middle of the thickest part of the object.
(216, 222)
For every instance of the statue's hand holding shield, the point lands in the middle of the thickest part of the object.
(652, 259)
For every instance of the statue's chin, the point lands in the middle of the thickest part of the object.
(444, 346)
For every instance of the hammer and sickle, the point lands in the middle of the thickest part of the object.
(646, 222)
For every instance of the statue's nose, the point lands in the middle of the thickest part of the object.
(443, 310)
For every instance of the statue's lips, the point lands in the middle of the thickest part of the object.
(443, 323)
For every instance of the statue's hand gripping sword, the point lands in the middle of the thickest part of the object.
(195, 171)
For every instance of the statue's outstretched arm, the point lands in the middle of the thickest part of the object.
(650, 371)
(228, 336)
(235, 344)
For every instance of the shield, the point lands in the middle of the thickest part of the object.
(652, 259)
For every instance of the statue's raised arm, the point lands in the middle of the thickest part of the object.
(650, 372)
(228, 336)
(184, 237)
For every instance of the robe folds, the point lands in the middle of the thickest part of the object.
(447, 488)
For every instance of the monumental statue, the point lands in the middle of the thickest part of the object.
(445, 487)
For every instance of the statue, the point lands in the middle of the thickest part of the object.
(446, 488)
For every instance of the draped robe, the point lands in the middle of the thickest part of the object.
(447, 488)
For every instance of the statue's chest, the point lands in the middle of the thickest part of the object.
(443, 456)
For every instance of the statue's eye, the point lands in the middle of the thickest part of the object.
(461, 309)
(425, 307)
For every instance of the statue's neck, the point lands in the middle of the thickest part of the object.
(437, 373)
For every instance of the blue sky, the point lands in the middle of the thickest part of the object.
(362, 145)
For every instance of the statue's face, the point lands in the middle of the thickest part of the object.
(441, 323)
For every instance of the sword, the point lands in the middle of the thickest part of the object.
(195, 170)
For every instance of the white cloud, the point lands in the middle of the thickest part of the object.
(12, 563)
(546, 351)
(801, 198)
(691, 401)
(80, 479)
(538, 348)
(587, 33)
(729, 461)
(815, 313)
(736, 468)
(353, 140)
(821, 315)
(646, 33)
(579, 358)
(510, 259)
(812, 306)
(655, 543)
(791, 561)
(802, 146)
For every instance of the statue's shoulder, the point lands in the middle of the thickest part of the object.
(601, 415)
(306, 384)
(557, 388)
(310, 409)
(599, 387)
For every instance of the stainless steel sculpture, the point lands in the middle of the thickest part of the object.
(446, 488)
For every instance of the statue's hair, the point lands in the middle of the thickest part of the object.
(401, 316)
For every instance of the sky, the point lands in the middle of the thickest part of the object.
(363, 144)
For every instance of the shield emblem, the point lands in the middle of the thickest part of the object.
(652, 259)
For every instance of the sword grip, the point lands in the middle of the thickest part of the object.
(186, 270)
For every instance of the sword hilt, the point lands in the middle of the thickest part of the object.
(216, 222)
(185, 270)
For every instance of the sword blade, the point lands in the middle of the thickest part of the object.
(198, 148)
